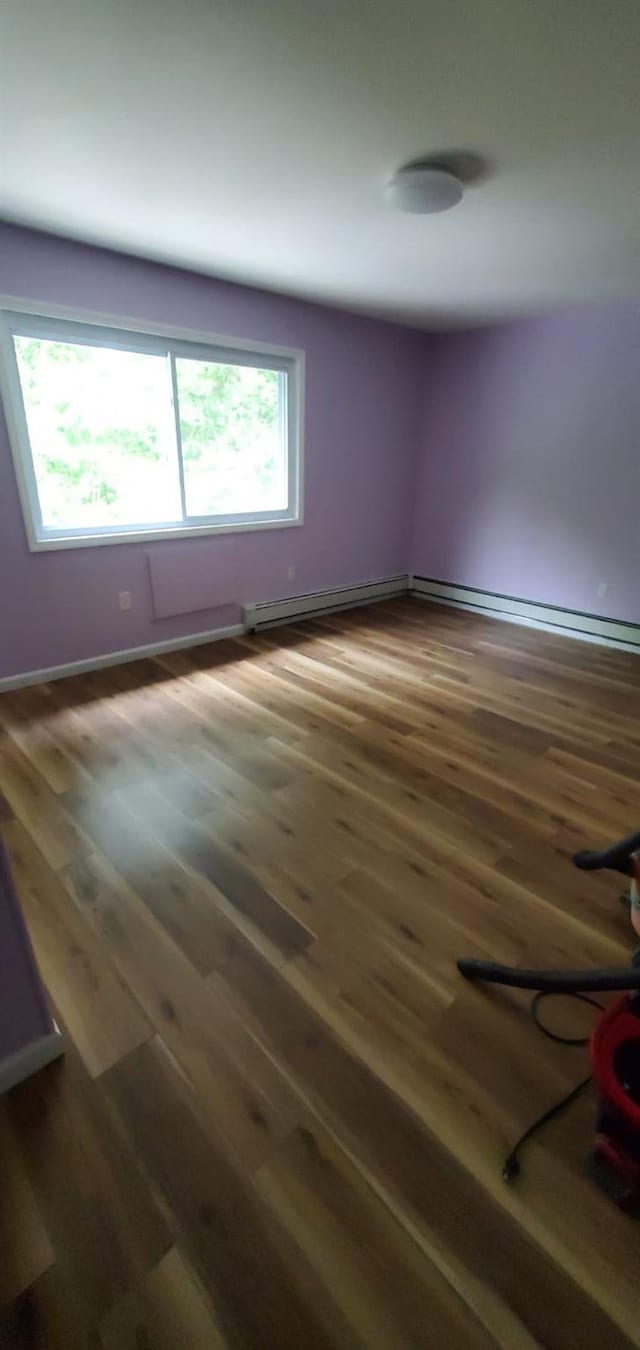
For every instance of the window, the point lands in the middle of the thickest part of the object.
(119, 435)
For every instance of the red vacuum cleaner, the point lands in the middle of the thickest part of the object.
(614, 1044)
(615, 1062)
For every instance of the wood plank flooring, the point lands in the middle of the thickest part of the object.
(248, 870)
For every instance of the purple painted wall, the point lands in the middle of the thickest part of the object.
(529, 465)
(362, 379)
(515, 450)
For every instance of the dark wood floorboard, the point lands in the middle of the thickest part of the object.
(248, 870)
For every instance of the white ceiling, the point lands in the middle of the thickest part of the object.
(253, 138)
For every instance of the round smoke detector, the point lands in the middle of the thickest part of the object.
(423, 188)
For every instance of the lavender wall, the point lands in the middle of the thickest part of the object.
(514, 449)
(362, 379)
(529, 473)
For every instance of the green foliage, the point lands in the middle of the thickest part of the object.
(229, 424)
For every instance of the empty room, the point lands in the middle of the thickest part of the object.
(320, 675)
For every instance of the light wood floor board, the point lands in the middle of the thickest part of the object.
(248, 870)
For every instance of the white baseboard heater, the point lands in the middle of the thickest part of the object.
(550, 618)
(271, 612)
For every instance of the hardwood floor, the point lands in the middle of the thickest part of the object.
(248, 870)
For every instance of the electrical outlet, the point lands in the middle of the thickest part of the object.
(603, 587)
(291, 571)
(124, 598)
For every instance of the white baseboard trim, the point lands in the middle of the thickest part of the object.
(30, 1059)
(271, 612)
(116, 658)
(550, 618)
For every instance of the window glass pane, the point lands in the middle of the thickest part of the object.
(102, 434)
(233, 441)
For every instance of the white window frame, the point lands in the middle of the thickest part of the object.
(57, 323)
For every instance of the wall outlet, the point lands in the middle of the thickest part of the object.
(124, 598)
(291, 571)
(603, 588)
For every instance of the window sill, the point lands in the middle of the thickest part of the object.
(146, 536)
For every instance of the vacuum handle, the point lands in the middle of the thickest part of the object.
(551, 981)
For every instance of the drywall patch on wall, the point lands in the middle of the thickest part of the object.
(191, 577)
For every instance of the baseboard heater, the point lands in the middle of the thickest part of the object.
(551, 618)
(271, 612)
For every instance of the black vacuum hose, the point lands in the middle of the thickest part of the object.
(553, 981)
